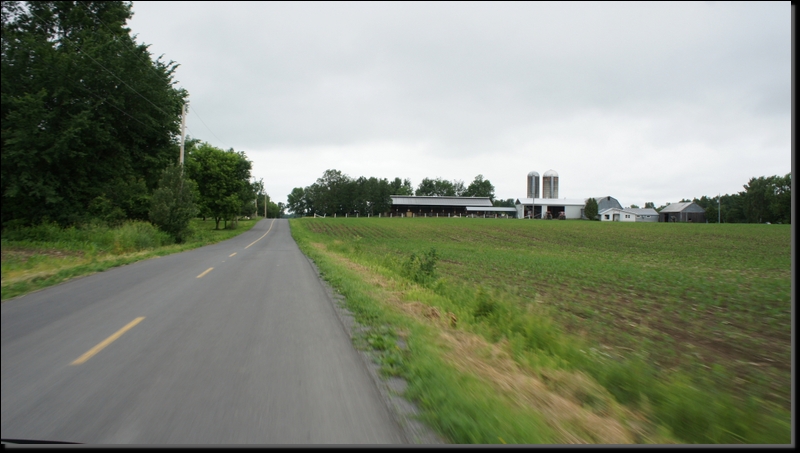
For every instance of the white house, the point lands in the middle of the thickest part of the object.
(617, 215)
(629, 215)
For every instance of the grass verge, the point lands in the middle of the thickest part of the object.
(42, 256)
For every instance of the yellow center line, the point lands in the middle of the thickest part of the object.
(205, 272)
(86, 356)
(234, 253)
(262, 237)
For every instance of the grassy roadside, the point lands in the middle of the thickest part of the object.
(573, 332)
(46, 255)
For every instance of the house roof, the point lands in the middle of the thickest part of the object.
(688, 206)
(629, 211)
(643, 211)
(440, 201)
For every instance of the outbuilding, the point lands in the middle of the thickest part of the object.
(540, 207)
(682, 212)
(425, 206)
(645, 214)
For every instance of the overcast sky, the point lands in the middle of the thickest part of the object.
(640, 101)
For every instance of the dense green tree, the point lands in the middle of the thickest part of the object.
(765, 199)
(436, 187)
(480, 187)
(459, 188)
(768, 199)
(296, 202)
(85, 110)
(590, 209)
(172, 205)
(223, 180)
(650, 205)
(507, 203)
(403, 187)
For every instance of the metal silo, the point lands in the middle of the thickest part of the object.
(550, 184)
(533, 185)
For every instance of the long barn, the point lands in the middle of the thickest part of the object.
(417, 206)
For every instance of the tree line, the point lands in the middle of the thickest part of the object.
(91, 124)
(764, 199)
(336, 193)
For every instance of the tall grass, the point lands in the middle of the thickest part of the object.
(43, 255)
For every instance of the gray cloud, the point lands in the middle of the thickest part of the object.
(582, 86)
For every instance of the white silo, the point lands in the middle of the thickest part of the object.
(533, 185)
(550, 184)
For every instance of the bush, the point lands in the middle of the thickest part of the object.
(421, 269)
(590, 210)
(172, 206)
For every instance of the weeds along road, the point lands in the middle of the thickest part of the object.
(236, 343)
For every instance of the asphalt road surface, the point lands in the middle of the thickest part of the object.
(233, 343)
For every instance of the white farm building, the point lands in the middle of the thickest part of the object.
(571, 207)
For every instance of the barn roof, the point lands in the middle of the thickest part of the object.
(643, 211)
(407, 200)
(628, 210)
(688, 206)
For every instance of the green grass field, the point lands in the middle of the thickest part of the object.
(45, 255)
(574, 332)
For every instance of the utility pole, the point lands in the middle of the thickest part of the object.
(183, 130)
(719, 208)
(265, 205)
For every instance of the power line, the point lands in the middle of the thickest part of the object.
(194, 110)
(149, 65)
(78, 48)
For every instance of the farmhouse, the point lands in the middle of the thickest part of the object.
(629, 215)
(617, 215)
(682, 212)
(423, 206)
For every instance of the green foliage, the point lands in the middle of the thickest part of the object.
(590, 210)
(507, 203)
(63, 253)
(173, 203)
(480, 188)
(223, 180)
(131, 236)
(398, 187)
(421, 268)
(436, 187)
(296, 202)
(765, 199)
(338, 194)
(78, 139)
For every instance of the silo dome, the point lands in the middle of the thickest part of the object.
(533, 185)
(550, 184)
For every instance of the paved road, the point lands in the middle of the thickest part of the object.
(250, 352)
